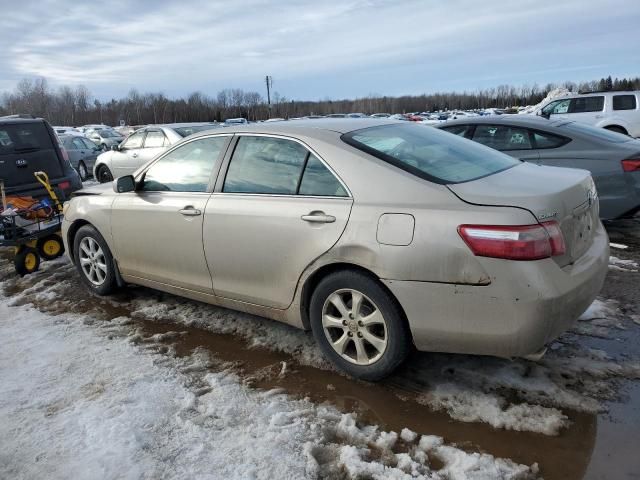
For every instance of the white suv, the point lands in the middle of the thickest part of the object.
(616, 111)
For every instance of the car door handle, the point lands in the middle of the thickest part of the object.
(190, 211)
(318, 217)
(134, 155)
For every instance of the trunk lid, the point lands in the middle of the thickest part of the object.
(566, 195)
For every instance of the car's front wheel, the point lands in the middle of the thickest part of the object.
(104, 174)
(359, 325)
(94, 261)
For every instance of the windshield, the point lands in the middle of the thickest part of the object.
(186, 131)
(599, 133)
(430, 153)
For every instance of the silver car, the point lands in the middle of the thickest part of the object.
(375, 234)
(141, 146)
(612, 158)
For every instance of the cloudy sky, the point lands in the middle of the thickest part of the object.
(315, 49)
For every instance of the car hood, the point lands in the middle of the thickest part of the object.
(99, 189)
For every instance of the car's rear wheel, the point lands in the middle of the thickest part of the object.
(94, 261)
(82, 171)
(359, 325)
(104, 174)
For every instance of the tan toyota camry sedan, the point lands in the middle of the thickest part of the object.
(377, 235)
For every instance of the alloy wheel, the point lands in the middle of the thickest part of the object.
(92, 261)
(354, 326)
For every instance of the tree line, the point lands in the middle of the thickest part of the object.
(76, 106)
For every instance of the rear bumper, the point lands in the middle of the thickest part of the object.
(527, 304)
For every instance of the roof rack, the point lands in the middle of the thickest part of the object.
(605, 91)
(20, 115)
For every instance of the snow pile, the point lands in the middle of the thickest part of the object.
(552, 95)
(620, 264)
(600, 319)
(82, 400)
(467, 405)
(257, 331)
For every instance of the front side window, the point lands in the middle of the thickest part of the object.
(586, 104)
(88, 143)
(319, 181)
(155, 139)
(188, 168)
(134, 141)
(460, 130)
(429, 153)
(78, 144)
(502, 137)
(265, 165)
(624, 102)
(557, 107)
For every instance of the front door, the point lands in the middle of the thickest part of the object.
(125, 160)
(279, 208)
(157, 229)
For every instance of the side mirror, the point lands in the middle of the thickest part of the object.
(543, 114)
(115, 148)
(124, 184)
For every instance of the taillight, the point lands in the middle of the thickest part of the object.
(514, 242)
(631, 165)
(65, 155)
(64, 185)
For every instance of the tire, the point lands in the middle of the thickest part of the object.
(82, 171)
(26, 260)
(104, 174)
(378, 318)
(615, 128)
(94, 261)
(50, 247)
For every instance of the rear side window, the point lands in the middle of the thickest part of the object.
(429, 153)
(586, 104)
(318, 180)
(502, 137)
(265, 165)
(547, 140)
(78, 144)
(24, 138)
(154, 139)
(624, 102)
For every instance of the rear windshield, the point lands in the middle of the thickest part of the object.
(429, 153)
(597, 132)
(26, 137)
(186, 131)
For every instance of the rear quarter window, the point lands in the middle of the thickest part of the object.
(429, 153)
(624, 102)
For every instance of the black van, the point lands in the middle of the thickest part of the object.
(28, 145)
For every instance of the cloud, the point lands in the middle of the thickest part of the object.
(315, 49)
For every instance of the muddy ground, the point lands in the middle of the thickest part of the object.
(587, 384)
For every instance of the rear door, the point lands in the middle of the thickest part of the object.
(588, 110)
(278, 208)
(26, 148)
